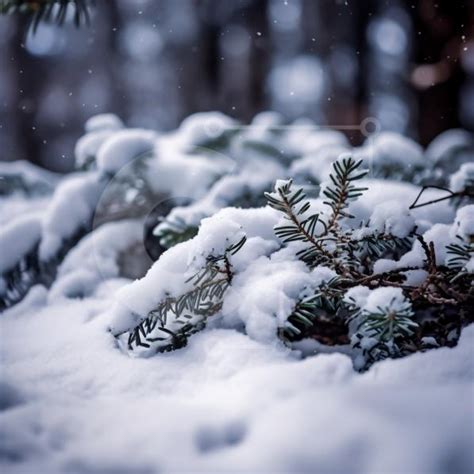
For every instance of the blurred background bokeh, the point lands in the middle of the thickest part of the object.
(410, 64)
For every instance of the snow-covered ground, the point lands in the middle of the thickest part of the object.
(236, 399)
(72, 402)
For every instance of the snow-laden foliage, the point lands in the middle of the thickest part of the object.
(284, 232)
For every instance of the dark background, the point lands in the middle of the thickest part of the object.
(410, 64)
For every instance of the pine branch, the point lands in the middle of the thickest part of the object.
(343, 191)
(172, 232)
(175, 319)
(48, 10)
(387, 323)
(380, 244)
(385, 331)
(326, 303)
(459, 254)
(293, 204)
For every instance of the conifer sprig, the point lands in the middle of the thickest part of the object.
(48, 10)
(326, 301)
(345, 172)
(294, 205)
(170, 324)
(174, 231)
(388, 322)
(459, 255)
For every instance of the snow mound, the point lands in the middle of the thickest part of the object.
(464, 223)
(88, 145)
(170, 275)
(26, 177)
(387, 149)
(451, 148)
(94, 259)
(224, 400)
(122, 147)
(103, 122)
(17, 238)
(391, 217)
(463, 178)
(71, 208)
(199, 128)
(266, 292)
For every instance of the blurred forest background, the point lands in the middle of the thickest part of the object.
(410, 64)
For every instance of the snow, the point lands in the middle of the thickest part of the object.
(253, 179)
(87, 146)
(262, 306)
(17, 238)
(264, 295)
(32, 175)
(357, 296)
(465, 175)
(103, 122)
(73, 401)
(16, 205)
(404, 194)
(391, 217)
(451, 148)
(264, 126)
(319, 139)
(169, 276)
(384, 265)
(98, 129)
(94, 259)
(385, 297)
(164, 172)
(71, 208)
(122, 147)
(464, 223)
(318, 164)
(224, 400)
(197, 129)
(387, 149)
(439, 235)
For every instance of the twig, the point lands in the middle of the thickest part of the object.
(451, 195)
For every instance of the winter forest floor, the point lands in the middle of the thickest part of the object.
(279, 305)
(71, 402)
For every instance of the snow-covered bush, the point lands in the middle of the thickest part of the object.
(286, 233)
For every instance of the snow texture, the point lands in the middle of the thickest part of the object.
(465, 175)
(87, 146)
(389, 148)
(199, 128)
(72, 402)
(464, 223)
(224, 400)
(122, 147)
(98, 129)
(169, 276)
(17, 239)
(318, 164)
(103, 122)
(372, 300)
(253, 179)
(72, 207)
(31, 174)
(391, 217)
(94, 259)
(451, 148)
